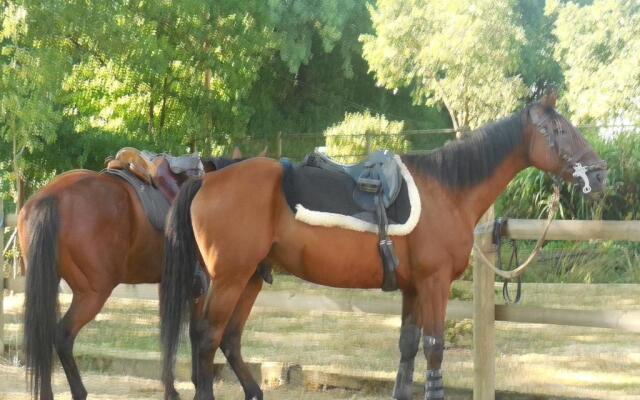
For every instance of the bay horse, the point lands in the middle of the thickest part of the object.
(90, 230)
(237, 217)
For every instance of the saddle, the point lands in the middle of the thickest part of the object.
(139, 163)
(372, 191)
(154, 178)
(378, 176)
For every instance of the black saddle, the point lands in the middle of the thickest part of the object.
(372, 190)
(378, 174)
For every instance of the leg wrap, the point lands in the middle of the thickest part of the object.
(409, 343)
(434, 352)
(434, 387)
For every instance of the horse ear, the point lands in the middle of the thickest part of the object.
(237, 154)
(548, 101)
(263, 153)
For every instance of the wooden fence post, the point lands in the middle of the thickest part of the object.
(484, 320)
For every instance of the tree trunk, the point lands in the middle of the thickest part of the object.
(206, 123)
(163, 106)
(150, 128)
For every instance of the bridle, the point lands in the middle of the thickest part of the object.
(569, 161)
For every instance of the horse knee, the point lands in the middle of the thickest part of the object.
(433, 351)
(409, 341)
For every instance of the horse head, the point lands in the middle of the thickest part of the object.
(557, 147)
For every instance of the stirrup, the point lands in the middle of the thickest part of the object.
(389, 264)
(387, 251)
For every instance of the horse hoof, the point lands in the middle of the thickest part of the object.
(172, 395)
(402, 394)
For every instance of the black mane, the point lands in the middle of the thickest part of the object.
(216, 163)
(467, 162)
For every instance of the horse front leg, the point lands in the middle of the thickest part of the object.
(409, 342)
(433, 296)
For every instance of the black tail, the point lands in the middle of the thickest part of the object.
(41, 293)
(180, 257)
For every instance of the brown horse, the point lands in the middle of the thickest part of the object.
(235, 218)
(90, 230)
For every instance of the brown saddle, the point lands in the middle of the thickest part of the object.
(137, 162)
(162, 171)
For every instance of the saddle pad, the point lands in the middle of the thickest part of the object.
(154, 204)
(325, 198)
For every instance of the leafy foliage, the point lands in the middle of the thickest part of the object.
(361, 133)
(599, 49)
(78, 80)
(461, 55)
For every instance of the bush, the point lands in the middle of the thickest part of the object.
(361, 133)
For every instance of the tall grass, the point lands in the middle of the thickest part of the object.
(526, 196)
(602, 262)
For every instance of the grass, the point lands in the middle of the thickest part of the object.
(542, 359)
(580, 262)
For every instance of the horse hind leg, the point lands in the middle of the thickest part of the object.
(227, 290)
(84, 307)
(231, 340)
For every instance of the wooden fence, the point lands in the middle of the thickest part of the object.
(483, 310)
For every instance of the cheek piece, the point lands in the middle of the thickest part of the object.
(580, 172)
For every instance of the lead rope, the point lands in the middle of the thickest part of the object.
(555, 201)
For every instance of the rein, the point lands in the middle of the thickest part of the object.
(555, 201)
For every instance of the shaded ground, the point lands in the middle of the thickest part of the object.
(541, 360)
(108, 387)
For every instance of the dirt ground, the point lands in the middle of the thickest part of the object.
(110, 387)
(534, 361)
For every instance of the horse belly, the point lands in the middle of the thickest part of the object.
(333, 256)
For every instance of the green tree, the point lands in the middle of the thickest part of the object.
(538, 67)
(29, 84)
(299, 22)
(462, 55)
(320, 91)
(174, 72)
(599, 49)
(361, 133)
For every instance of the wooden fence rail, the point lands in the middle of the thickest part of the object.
(485, 315)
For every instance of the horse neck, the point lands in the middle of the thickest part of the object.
(474, 201)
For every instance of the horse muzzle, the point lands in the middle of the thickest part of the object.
(590, 179)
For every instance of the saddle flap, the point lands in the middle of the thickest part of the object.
(382, 175)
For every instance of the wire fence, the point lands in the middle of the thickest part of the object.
(296, 146)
